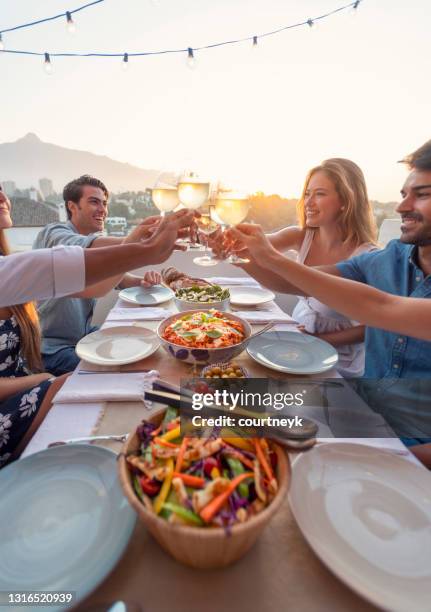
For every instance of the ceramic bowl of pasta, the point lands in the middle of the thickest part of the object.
(204, 336)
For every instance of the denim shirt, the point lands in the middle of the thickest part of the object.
(394, 270)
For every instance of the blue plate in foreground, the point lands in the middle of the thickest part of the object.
(292, 352)
(65, 521)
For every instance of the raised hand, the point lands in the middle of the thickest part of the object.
(144, 230)
(150, 278)
(162, 241)
(249, 237)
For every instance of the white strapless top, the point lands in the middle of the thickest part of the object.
(318, 318)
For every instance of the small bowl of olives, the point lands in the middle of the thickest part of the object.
(224, 370)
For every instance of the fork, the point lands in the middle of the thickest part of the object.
(118, 438)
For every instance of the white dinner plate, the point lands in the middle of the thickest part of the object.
(65, 522)
(117, 345)
(250, 296)
(293, 352)
(150, 296)
(367, 515)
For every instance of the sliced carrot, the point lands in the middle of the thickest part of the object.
(191, 481)
(156, 431)
(211, 509)
(180, 456)
(262, 460)
(165, 443)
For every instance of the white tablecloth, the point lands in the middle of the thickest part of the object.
(75, 420)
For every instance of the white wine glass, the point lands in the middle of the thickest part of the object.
(165, 193)
(193, 191)
(232, 207)
(207, 226)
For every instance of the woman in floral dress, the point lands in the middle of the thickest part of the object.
(25, 397)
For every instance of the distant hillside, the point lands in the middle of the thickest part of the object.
(28, 159)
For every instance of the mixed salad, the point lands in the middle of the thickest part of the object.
(196, 293)
(215, 481)
(210, 329)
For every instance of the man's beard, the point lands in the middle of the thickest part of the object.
(420, 237)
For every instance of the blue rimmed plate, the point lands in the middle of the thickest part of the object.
(292, 352)
(64, 519)
(146, 296)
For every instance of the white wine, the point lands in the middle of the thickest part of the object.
(165, 199)
(206, 225)
(193, 194)
(232, 210)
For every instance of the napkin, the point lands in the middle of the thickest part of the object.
(140, 314)
(261, 316)
(233, 280)
(106, 387)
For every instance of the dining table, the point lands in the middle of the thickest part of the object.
(281, 572)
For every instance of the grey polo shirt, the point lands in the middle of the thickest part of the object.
(64, 321)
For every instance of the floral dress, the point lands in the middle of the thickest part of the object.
(18, 411)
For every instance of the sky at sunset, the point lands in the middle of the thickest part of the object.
(355, 87)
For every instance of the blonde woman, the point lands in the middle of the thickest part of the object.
(335, 223)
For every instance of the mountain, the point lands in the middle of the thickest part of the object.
(28, 159)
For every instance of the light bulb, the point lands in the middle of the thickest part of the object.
(310, 23)
(1, 43)
(47, 64)
(353, 10)
(71, 25)
(191, 61)
(254, 45)
(125, 62)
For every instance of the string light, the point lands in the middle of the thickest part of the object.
(354, 8)
(67, 14)
(47, 65)
(191, 61)
(1, 42)
(71, 26)
(125, 62)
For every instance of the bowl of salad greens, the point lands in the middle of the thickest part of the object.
(196, 297)
(205, 500)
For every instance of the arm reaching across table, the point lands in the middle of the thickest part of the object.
(404, 315)
(251, 242)
(47, 273)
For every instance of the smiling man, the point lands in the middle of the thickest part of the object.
(64, 321)
(397, 378)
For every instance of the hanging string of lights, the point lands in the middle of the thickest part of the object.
(67, 14)
(189, 51)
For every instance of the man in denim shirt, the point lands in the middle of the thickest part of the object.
(397, 368)
(401, 364)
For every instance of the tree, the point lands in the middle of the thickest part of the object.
(118, 209)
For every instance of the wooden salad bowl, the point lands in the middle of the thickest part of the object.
(203, 547)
